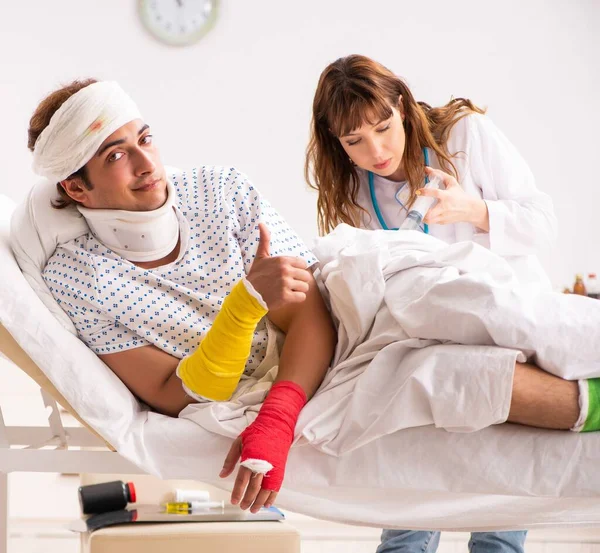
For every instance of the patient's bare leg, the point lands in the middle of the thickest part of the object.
(543, 400)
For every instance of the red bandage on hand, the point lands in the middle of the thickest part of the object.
(270, 436)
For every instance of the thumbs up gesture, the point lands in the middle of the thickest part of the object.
(279, 280)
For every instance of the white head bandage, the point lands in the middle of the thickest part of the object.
(136, 235)
(79, 127)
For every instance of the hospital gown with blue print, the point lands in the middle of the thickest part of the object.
(116, 306)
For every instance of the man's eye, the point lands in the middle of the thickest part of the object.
(115, 156)
(147, 139)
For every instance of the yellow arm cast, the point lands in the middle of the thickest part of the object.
(214, 369)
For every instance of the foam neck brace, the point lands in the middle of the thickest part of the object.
(136, 235)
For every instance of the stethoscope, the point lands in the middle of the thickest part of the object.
(376, 204)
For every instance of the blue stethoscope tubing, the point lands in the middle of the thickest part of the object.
(376, 204)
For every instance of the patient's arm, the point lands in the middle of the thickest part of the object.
(307, 352)
(149, 373)
(214, 370)
(309, 343)
(295, 305)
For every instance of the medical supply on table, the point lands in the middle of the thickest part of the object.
(579, 286)
(106, 496)
(143, 514)
(191, 506)
(183, 496)
(421, 206)
(593, 286)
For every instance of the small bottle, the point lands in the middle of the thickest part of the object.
(579, 286)
(593, 286)
(182, 496)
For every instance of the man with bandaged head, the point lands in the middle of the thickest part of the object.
(184, 279)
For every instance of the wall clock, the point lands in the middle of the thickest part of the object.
(178, 22)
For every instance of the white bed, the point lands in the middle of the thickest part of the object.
(502, 477)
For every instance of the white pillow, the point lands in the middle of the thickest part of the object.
(36, 229)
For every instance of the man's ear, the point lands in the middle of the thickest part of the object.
(75, 188)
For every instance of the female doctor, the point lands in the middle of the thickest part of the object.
(373, 146)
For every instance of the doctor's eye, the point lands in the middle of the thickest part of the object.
(147, 139)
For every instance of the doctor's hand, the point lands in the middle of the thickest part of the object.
(279, 280)
(454, 204)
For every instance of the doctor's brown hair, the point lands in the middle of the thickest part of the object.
(355, 90)
(41, 119)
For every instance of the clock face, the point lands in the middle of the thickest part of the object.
(178, 22)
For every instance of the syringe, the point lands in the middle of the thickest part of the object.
(191, 506)
(419, 209)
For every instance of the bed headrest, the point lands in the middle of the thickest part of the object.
(36, 229)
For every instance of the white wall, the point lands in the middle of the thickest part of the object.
(242, 95)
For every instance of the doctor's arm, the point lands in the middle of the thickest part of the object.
(512, 216)
(521, 217)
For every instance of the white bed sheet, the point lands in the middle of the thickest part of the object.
(503, 477)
